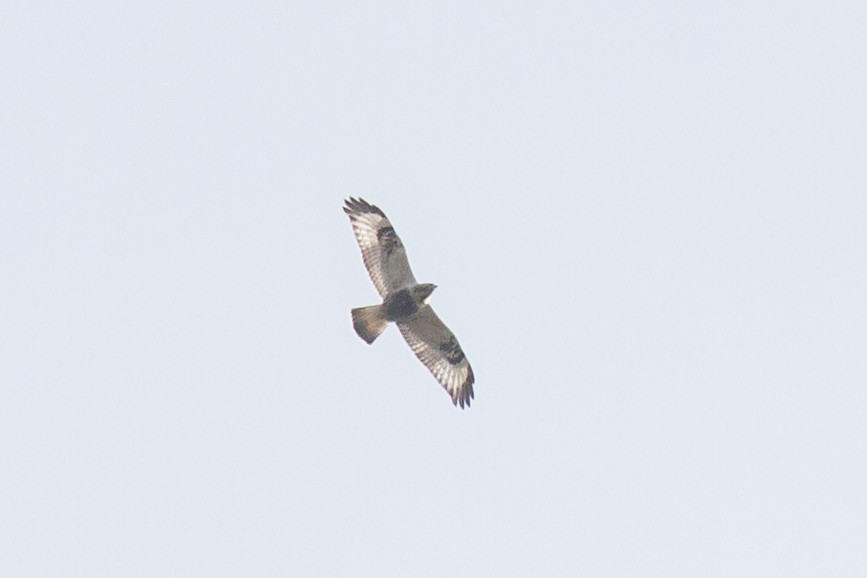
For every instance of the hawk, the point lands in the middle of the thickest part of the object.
(405, 301)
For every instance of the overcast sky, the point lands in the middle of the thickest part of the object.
(647, 222)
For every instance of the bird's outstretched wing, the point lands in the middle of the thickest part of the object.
(381, 249)
(439, 350)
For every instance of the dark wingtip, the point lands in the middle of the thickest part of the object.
(360, 206)
(351, 204)
(466, 394)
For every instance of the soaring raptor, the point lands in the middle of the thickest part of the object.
(404, 301)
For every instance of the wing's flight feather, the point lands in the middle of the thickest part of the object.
(438, 349)
(381, 248)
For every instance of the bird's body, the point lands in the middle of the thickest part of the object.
(404, 302)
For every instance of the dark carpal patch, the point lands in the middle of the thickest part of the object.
(399, 305)
(452, 351)
(387, 238)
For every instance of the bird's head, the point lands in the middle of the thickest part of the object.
(422, 291)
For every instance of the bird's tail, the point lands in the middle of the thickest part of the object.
(369, 322)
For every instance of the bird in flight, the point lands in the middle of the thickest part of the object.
(405, 301)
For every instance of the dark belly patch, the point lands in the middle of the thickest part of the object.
(399, 305)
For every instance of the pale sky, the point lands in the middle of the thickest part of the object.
(647, 222)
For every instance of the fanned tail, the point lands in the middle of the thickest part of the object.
(369, 322)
